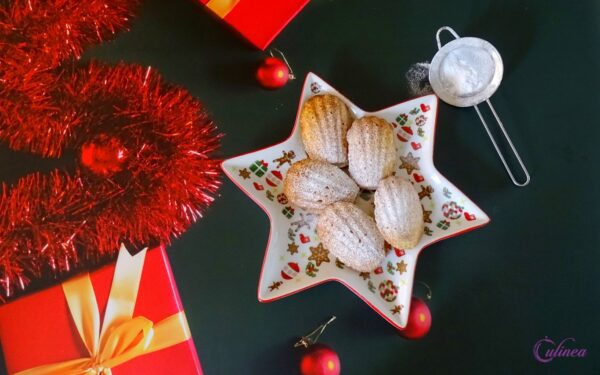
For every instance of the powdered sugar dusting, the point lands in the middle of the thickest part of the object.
(466, 71)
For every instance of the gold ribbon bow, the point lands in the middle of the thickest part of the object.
(122, 337)
(222, 7)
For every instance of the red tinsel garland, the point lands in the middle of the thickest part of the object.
(144, 147)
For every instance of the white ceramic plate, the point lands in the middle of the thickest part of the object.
(295, 259)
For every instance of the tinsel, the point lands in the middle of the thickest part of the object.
(162, 179)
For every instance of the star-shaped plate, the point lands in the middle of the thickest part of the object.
(296, 260)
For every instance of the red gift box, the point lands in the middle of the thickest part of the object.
(40, 329)
(259, 21)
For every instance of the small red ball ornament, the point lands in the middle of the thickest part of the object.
(419, 320)
(273, 73)
(320, 359)
(104, 155)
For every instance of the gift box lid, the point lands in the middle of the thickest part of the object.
(260, 21)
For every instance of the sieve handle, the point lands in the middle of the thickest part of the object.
(512, 147)
(445, 28)
(498, 121)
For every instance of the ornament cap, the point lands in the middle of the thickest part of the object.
(313, 337)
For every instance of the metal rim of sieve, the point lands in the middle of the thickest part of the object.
(440, 58)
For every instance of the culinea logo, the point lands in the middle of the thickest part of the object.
(545, 350)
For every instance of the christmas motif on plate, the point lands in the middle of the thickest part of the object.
(244, 173)
(274, 178)
(401, 267)
(404, 133)
(288, 212)
(311, 269)
(443, 224)
(259, 168)
(275, 285)
(447, 193)
(420, 120)
(396, 309)
(290, 271)
(452, 210)
(294, 248)
(304, 222)
(426, 192)
(388, 291)
(315, 87)
(470, 217)
(287, 158)
(282, 199)
(409, 163)
(427, 216)
(319, 254)
(402, 119)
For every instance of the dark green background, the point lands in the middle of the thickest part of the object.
(532, 272)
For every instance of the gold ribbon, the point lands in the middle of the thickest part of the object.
(221, 7)
(121, 337)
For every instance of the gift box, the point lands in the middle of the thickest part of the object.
(125, 318)
(259, 21)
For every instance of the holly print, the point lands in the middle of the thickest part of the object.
(421, 132)
(270, 195)
(390, 268)
(311, 270)
(415, 111)
(371, 286)
(427, 231)
(447, 193)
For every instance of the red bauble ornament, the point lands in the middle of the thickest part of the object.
(419, 320)
(273, 73)
(104, 155)
(320, 359)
